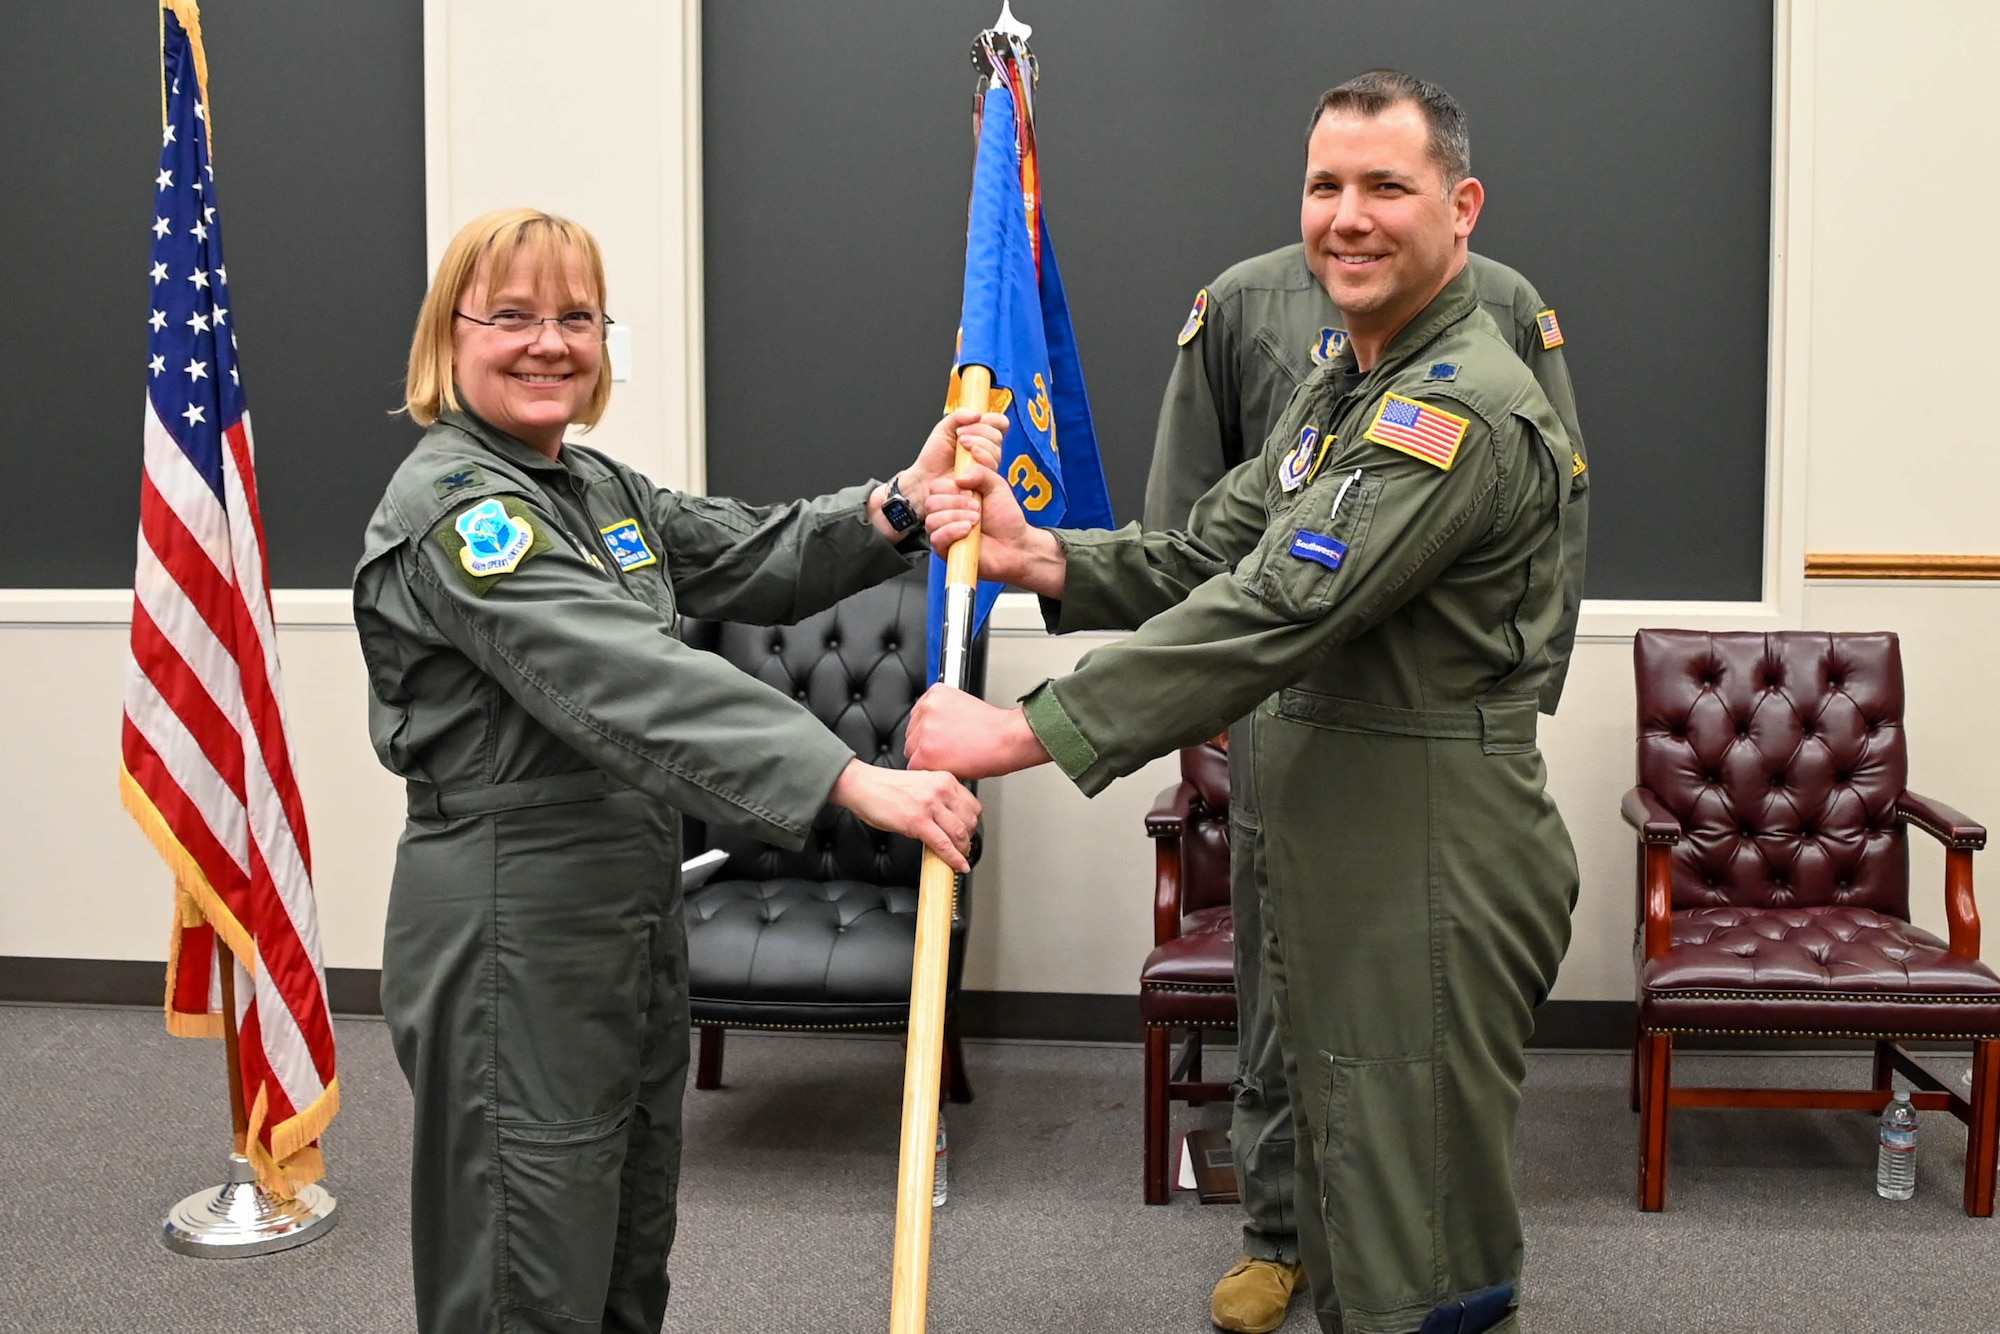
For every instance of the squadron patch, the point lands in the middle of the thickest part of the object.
(627, 545)
(1301, 461)
(1552, 334)
(1327, 346)
(1417, 429)
(490, 539)
(1194, 319)
(1577, 467)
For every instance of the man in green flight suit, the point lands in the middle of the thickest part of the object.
(1388, 580)
(1253, 336)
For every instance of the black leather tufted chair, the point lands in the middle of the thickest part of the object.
(823, 938)
(1774, 882)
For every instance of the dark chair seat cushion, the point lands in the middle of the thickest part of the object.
(1851, 971)
(803, 953)
(1192, 978)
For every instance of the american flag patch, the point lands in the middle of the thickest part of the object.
(1417, 429)
(1552, 334)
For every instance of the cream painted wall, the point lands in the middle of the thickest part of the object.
(1062, 901)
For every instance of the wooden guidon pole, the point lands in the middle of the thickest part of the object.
(923, 1068)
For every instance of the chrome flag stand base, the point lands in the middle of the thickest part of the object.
(242, 1218)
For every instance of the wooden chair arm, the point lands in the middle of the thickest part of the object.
(1941, 822)
(1168, 816)
(1658, 832)
(1649, 815)
(1961, 838)
(1165, 824)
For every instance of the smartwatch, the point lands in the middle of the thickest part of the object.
(896, 508)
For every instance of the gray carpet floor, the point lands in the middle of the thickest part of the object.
(789, 1187)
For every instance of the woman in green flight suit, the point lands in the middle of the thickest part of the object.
(516, 602)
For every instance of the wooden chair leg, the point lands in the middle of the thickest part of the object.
(1982, 1132)
(708, 1063)
(957, 1087)
(1656, 1078)
(1159, 1053)
(1884, 1075)
(1637, 1040)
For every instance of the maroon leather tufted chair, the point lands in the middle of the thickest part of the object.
(1774, 882)
(1189, 980)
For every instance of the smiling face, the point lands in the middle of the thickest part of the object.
(1383, 234)
(530, 385)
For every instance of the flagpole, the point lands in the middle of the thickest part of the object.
(240, 1217)
(923, 1067)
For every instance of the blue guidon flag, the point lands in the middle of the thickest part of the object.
(1015, 321)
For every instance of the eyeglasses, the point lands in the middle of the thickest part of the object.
(576, 326)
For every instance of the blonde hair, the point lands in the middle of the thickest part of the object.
(488, 244)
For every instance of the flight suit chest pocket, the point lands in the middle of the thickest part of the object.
(631, 549)
(1313, 540)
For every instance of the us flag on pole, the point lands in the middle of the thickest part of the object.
(207, 767)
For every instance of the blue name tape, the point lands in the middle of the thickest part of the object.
(1328, 551)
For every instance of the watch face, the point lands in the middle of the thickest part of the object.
(896, 508)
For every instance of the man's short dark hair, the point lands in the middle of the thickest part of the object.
(1374, 92)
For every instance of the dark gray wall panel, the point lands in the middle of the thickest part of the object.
(1625, 150)
(319, 179)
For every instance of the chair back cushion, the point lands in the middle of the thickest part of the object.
(859, 667)
(1783, 756)
(1205, 837)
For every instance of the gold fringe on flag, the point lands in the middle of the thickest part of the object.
(189, 13)
(191, 887)
(293, 1161)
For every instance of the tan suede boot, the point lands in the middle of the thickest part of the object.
(1251, 1298)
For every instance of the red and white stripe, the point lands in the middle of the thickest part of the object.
(210, 772)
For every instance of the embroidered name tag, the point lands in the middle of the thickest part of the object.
(1328, 551)
(627, 545)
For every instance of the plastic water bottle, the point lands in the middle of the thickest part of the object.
(940, 1185)
(1896, 1159)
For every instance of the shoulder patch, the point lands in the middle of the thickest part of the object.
(461, 479)
(1302, 460)
(1328, 345)
(1194, 319)
(490, 539)
(627, 545)
(1577, 467)
(1417, 429)
(1551, 332)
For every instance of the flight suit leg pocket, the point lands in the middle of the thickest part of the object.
(1378, 1161)
(560, 1184)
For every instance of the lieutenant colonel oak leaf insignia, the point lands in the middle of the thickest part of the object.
(1194, 319)
(1551, 332)
(627, 545)
(490, 539)
(1417, 429)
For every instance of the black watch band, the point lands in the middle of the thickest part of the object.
(896, 508)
